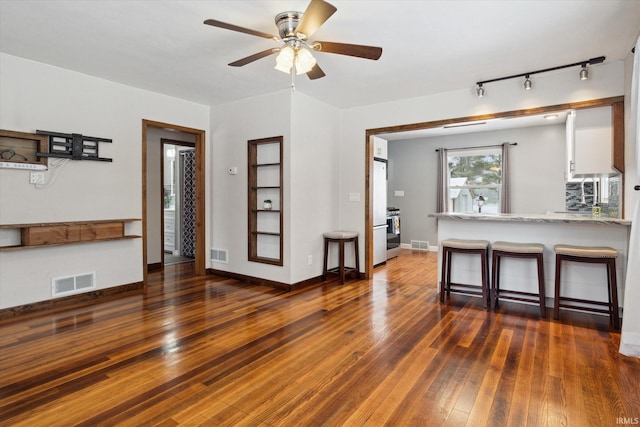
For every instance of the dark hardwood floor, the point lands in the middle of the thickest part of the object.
(213, 351)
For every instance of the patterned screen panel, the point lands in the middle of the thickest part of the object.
(189, 205)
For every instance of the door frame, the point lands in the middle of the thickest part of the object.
(199, 135)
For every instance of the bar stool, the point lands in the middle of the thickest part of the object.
(340, 237)
(470, 247)
(517, 250)
(596, 255)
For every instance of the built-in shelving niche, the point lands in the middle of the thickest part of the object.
(265, 183)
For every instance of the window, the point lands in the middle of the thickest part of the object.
(475, 180)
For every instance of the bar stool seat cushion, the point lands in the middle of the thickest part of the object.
(340, 234)
(466, 244)
(585, 252)
(520, 248)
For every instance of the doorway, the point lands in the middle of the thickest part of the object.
(178, 201)
(153, 191)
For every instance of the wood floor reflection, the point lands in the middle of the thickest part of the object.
(213, 351)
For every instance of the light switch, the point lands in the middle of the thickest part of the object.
(354, 197)
(398, 193)
(233, 170)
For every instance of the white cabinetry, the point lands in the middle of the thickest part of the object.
(380, 148)
(169, 230)
(590, 143)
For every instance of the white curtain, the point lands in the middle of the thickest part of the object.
(630, 338)
(442, 204)
(505, 197)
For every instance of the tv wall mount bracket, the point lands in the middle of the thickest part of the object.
(73, 146)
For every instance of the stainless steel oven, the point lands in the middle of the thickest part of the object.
(393, 232)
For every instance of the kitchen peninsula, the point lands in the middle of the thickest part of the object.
(579, 280)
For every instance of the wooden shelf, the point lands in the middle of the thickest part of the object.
(38, 235)
(265, 169)
(266, 233)
(260, 165)
(21, 147)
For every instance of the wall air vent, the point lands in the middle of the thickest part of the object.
(68, 285)
(219, 255)
(419, 245)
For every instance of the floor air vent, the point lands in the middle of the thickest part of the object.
(73, 284)
(219, 255)
(420, 245)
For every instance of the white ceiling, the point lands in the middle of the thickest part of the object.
(428, 46)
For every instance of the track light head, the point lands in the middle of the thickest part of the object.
(527, 83)
(584, 72)
(480, 91)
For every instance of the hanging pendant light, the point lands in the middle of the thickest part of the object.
(480, 91)
(527, 83)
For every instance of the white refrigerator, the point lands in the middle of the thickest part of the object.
(379, 211)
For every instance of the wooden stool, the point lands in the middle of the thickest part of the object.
(597, 255)
(517, 250)
(340, 237)
(479, 247)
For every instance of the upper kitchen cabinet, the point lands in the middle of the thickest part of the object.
(380, 148)
(595, 141)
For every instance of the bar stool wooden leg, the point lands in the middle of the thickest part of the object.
(341, 255)
(484, 259)
(444, 276)
(357, 255)
(613, 293)
(326, 259)
(556, 301)
(541, 291)
(495, 280)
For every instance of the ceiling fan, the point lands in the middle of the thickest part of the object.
(295, 31)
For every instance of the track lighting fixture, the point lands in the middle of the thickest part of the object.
(584, 74)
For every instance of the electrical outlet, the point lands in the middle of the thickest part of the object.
(310, 260)
(36, 178)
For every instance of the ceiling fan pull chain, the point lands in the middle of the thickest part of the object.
(293, 76)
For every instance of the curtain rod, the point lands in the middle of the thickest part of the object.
(480, 146)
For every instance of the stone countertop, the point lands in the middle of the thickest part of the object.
(541, 218)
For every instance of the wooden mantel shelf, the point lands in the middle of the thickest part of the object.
(39, 235)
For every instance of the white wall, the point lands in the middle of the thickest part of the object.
(311, 175)
(232, 125)
(314, 180)
(39, 96)
(550, 89)
(536, 165)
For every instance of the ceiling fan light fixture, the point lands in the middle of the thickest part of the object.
(284, 60)
(304, 61)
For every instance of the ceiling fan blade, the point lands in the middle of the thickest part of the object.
(315, 73)
(254, 57)
(361, 51)
(316, 14)
(232, 27)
